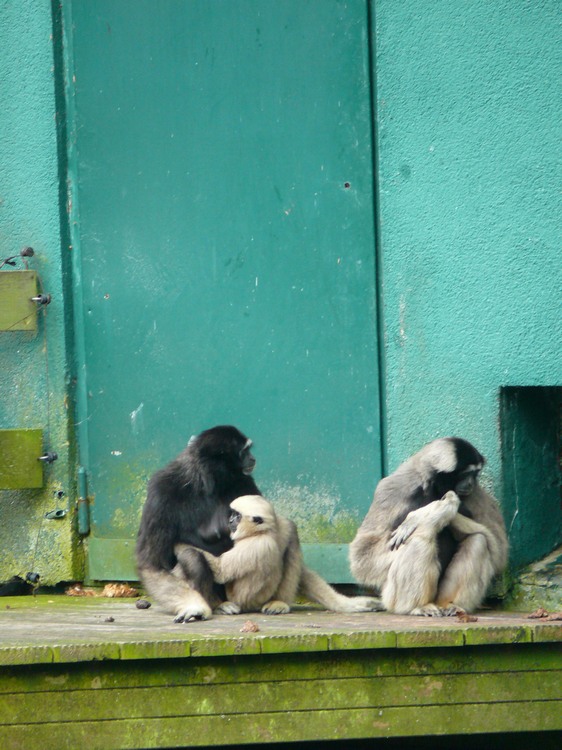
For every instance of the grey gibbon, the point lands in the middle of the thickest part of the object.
(433, 538)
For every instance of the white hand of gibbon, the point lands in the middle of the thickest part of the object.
(435, 516)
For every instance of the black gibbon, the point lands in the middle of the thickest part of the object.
(188, 501)
(433, 539)
(264, 571)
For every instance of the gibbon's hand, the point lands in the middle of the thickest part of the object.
(436, 516)
(403, 532)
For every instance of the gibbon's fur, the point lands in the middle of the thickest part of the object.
(188, 502)
(433, 539)
(264, 571)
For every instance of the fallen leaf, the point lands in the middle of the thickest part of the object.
(249, 627)
(465, 617)
(78, 590)
(119, 590)
(537, 614)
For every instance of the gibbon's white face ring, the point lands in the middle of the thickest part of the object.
(249, 461)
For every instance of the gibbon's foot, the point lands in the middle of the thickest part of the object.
(451, 610)
(428, 610)
(276, 608)
(189, 618)
(228, 608)
(190, 614)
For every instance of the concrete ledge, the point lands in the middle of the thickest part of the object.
(61, 629)
(103, 673)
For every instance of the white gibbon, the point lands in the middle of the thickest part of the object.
(264, 571)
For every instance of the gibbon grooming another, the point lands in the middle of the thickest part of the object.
(433, 539)
(188, 502)
(264, 571)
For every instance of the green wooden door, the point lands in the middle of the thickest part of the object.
(222, 211)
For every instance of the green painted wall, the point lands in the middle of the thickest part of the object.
(34, 367)
(468, 104)
(467, 95)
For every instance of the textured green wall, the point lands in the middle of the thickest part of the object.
(468, 102)
(467, 99)
(33, 367)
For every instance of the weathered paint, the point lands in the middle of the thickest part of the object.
(468, 100)
(540, 584)
(317, 512)
(20, 467)
(35, 367)
(18, 312)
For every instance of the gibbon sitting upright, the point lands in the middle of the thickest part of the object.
(259, 573)
(433, 538)
(188, 502)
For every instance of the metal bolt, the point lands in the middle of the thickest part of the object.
(42, 299)
(49, 457)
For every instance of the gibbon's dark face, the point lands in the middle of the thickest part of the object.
(233, 521)
(464, 478)
(225, 445)
(243, 526)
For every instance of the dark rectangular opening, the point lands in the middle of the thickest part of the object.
(530, 419)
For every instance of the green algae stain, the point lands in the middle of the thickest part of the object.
(319, 512)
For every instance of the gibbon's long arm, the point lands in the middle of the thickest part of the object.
(292, 561)
(246, 557)
(413, 573)
(486, 520)
(467, 526)
(215, 565)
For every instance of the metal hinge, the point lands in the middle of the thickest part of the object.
(83, 502)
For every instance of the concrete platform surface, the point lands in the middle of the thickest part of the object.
(47, 628)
